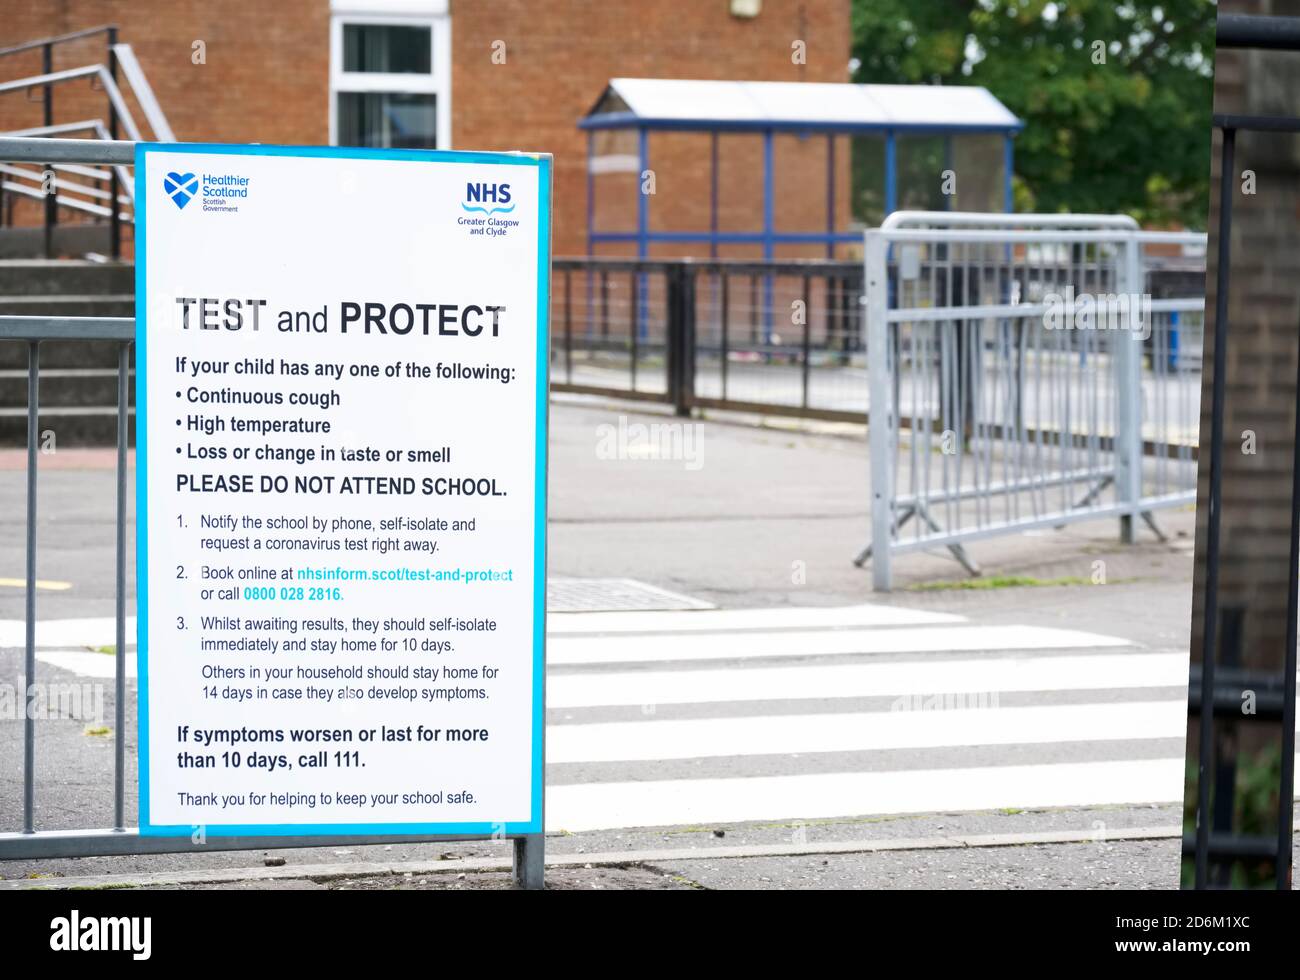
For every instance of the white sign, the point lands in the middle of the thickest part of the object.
(341, 423)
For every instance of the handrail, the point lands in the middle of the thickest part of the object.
(148, 102)
(38, 177)
(69, 194)
(118, 57)
(86, 71)
(57, 39)
(37, 328)
(24, 149)
(101, 132)
(64, 201)
(1259, 32)
(95, 125)
(1062, 220)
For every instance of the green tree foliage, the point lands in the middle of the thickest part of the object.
(1116, 94)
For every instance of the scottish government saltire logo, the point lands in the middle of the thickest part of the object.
(181, 187)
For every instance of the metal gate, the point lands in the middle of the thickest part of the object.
(1233, 665)
(1022, 376)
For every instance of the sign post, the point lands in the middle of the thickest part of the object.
(341, 405)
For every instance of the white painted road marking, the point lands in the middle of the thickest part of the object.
(595, 806)
(644, 741)
(89, 632)
(625, 793)
(806, 643)
(663, 640)
(87, 663)
(101, 630)
(569, 624)
(1037, 673)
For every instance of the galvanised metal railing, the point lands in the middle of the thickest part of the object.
(31, 331)
(31, 841)
(1021, 376)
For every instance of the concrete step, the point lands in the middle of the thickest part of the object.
(60, 354)
(64, 387)
(61, 277)
(78, 378)
(113, 304)
(78, 239)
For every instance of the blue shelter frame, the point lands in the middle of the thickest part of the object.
(768, 108)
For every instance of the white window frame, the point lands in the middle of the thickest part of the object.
(437, 82)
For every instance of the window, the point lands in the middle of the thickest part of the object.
(399, 119)
(390, 81)
(391, 49)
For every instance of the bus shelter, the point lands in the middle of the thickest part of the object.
(851, 154)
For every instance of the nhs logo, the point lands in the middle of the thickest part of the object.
(488, 198)
(487, 210)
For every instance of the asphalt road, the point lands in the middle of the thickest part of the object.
(768, 519)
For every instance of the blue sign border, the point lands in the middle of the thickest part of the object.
(534, 825)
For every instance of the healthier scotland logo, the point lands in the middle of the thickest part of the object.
(181, 187)
(217, 192)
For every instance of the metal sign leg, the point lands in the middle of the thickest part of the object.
(529, 865)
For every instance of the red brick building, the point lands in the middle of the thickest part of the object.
(465, 74)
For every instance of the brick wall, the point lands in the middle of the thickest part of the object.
(559, 56)
(266, 79)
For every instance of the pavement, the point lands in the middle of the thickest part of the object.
(805, 733)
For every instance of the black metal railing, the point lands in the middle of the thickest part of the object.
(50, 217)
(1219, 683)
(776, 337)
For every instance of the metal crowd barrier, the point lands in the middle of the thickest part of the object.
(1021, 376)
